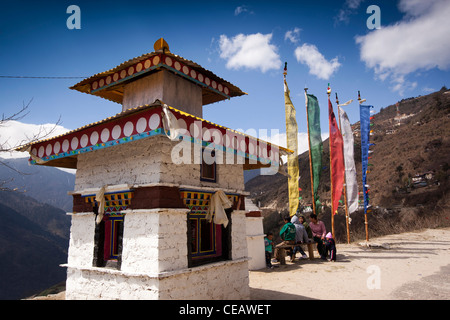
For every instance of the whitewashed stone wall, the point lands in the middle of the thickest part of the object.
(255, 243)
(154, 261)
(107, 284)
(149, 161)
(154, 241)
(238, 232)
(227, 280)
(154, 251)
(81, 244)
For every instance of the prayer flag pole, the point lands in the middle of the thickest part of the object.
(331, 170)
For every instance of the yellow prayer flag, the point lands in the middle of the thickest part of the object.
(292, 144)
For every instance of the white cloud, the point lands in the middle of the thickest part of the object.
(428, 89)
(242, 9)
(400, 84)
(293, 35)
(349, 8)
(416, 7)
(239, 10)
(418, 42)
(320, 67)
(353, 4)
(253, 51)
(15, 133)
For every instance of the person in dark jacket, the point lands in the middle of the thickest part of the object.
(330, 246)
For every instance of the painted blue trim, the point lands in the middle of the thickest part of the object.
(103, 145)
(146, 134)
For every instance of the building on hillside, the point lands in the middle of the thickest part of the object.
(422, 180)
(159, 199)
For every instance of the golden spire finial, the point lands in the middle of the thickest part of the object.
(161, 45)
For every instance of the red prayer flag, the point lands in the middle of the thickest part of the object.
(336, 159)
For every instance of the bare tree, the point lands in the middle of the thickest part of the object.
(42, 133)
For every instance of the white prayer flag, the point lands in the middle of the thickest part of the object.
(349, 160)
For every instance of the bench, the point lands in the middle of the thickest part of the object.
(282, 251)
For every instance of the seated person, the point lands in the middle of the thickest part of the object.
(287, 234)
(300, 237)
(318, 231)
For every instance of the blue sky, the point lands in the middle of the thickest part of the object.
(244, 42)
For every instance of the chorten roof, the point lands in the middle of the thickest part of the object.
(146, 120)
(110, 84)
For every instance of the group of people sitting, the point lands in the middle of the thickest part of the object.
(297, 231)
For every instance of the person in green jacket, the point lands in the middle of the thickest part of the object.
(287, 234)
(269, 249)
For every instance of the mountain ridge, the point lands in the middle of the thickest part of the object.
(34, 181)
(30, 251)
(34, 237)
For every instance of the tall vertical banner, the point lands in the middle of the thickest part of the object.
(349, 162)
(365, 144)
(315, 144)
(292, 144)
(336, 159)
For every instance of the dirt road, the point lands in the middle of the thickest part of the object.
(412, 265)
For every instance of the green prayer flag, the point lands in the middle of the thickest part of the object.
(315, 141)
